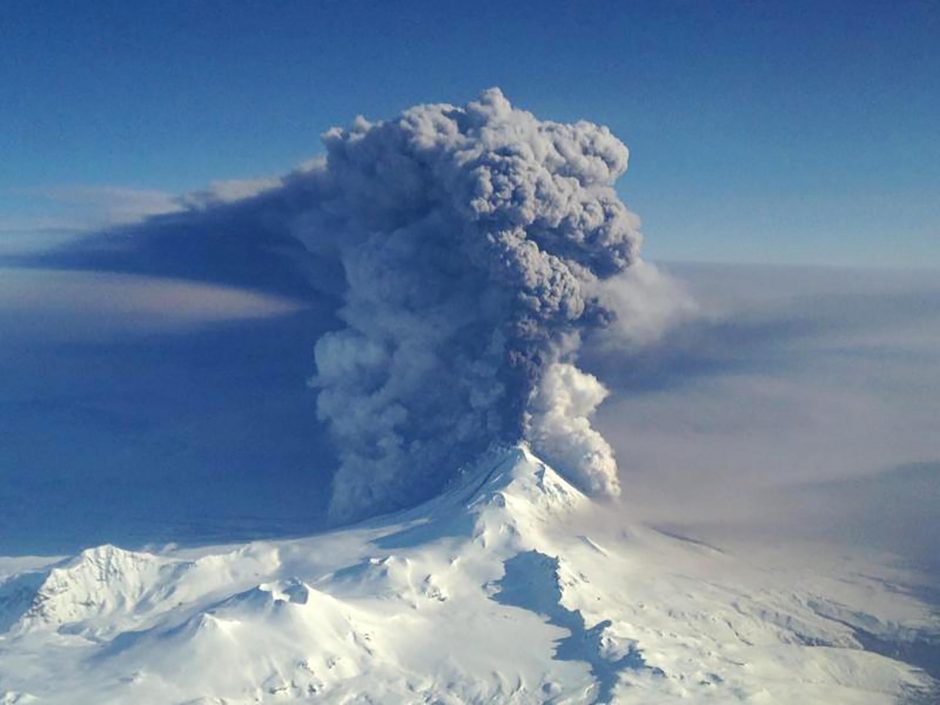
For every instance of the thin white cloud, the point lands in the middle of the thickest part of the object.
(116, 204)
(53, 305)
(228, 191)
(49, 215)
(46, 217)
(82, 206)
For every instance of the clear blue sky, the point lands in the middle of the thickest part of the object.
(779, 132)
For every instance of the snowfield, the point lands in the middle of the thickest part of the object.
(494, 592)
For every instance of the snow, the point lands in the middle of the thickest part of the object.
(507, 588)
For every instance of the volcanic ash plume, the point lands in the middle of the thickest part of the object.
(473, 241)
(466, 250)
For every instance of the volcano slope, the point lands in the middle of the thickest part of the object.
(492, 592)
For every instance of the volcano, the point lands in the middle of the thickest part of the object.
(493, 592)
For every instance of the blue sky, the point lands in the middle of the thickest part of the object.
(760, 132)
(794, 133)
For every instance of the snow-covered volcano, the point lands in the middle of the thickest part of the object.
(489, 593)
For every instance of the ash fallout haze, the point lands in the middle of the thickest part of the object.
(414, 408)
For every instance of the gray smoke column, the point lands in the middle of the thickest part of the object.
(465, 251)
(473, 241)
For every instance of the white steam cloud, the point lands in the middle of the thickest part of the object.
(559, 425)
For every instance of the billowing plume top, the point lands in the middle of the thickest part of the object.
(491, 166)
(472, 241)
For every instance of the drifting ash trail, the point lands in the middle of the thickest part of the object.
(482, 595)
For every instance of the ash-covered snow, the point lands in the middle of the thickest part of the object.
(494, 592)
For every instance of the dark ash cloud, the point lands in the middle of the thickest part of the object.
(473, 241)
(465, 252)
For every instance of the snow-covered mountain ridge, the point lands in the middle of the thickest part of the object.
(494, 592)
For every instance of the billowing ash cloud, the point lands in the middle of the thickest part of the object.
(473, 240)
(468, 250)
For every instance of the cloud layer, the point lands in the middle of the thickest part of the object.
(802, 400)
